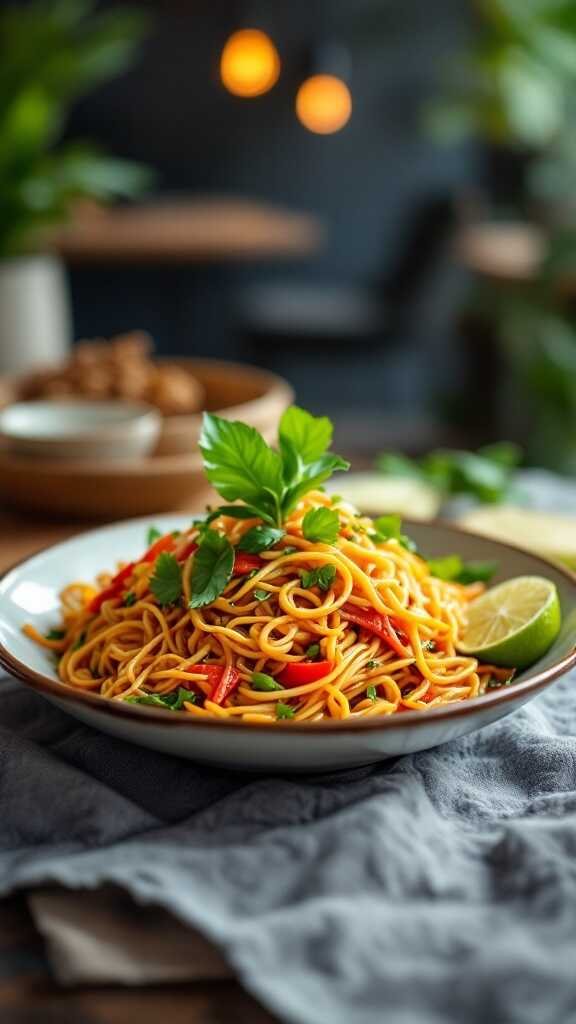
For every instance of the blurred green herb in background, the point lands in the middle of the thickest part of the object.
(486, 475)
(51, 53)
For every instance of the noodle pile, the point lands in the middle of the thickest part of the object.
(381, 628)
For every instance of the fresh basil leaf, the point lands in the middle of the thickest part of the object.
(261, 595)
(388, 527)
(477, 572)
(323, 577)
(260, 538)
(371, 692)
(166, 583)
(313, 651)
(240, 465)
(311, 477)
(284, 711)
(265, 683)
(129, 599)
(448, 568)
(55, 634)
(321, 525)
(310, 435)
(211, 570)
(153, 534)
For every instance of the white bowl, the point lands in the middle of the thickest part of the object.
(29, 593)
(70, 429)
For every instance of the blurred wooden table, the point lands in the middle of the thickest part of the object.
(200, 230)
(28, 995)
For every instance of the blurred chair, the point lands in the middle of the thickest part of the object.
(278, 316)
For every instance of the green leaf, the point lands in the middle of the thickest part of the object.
(265, 683)
(153, 534)
(240, 465)
(173, 701)
(240, 512)
(321, 525)
(129, 599)
(306, 435)
(260, 538)
(313, 651)
(371, 692)
(388, 527)
(447, 568)
(212, 569)
(477, 572)
(311, 477)
(261, 595)
(323, 577)
(166, 583)
(55, 634)
(284, 711)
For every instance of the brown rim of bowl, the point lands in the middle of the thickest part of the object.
(155, 716)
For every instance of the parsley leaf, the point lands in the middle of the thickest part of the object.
(313, 651)
(56, 634)
(130, 599)
(321, 525)
(265, 683)
(260, 538)
(371, 693)
(323, 577)
(166, 583)
(212, 568)
(173, 701)
(284, 711)
(453, 569)
(153, 534)
(388, 527)
(261, 595)
(240, 465)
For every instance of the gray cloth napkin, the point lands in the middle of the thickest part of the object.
(438, 888)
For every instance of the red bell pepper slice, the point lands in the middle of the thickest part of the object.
(223, 679)
(113, 590)
(298, 673)
(244, 563)
(167, 543)
(374, 622)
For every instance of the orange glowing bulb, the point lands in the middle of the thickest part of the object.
(324, 104)
(250, 65)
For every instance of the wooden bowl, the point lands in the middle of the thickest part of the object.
(116, 489)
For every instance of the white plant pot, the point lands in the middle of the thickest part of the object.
(35, 320)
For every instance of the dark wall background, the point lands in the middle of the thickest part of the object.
(367, 183)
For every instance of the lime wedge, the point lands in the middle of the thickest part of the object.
(514, 623)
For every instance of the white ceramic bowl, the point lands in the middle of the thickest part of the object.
(80, 430)
(29, 593)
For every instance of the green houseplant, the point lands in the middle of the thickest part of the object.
(51, 53)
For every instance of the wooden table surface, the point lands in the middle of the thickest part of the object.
(192, 231)
(28, 995)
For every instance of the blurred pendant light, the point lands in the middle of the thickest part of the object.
(250, 64)
(324, 101)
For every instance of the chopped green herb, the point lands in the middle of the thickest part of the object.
(448, 568)
(321, 525)
(372, 664)
(290, 550)
(153, 535)
(261, 681)
(453, 569)
(313, 651)
(166, 583)
(388, 527)
(284, 711)
(261, 595)
(55, 634)
(323, 577)
(212, 569)
(130, 599)
(260, 538)
(173, 701)
(371, 693)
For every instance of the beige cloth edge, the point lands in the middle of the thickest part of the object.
(103, 937)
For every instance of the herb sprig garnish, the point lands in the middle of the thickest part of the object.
(242, 467)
